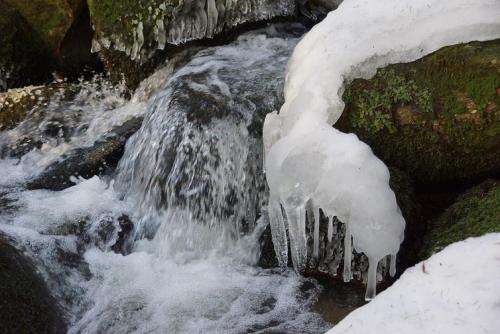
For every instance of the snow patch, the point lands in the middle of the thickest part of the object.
(443, 294)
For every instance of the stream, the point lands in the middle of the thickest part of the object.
(169, 241)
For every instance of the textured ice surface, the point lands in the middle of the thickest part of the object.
(444, 294)
(309, 163)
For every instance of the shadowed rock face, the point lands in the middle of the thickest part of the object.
(474, 213)
(89, 161)
(26, 305)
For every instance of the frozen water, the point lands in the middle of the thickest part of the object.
(308, 160)
(177, 22)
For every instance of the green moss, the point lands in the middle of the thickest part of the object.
(19, 47)
(49, 19)
(437, 118)
(17, 103)
(387, 90)
(119, 19)
(475, 213)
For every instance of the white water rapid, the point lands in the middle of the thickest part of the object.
(190, 182)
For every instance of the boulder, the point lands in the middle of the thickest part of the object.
(17, 103)
(42, 36)
(437, 118)
(87, 161)
(474, 213)
(132, 36)
(26, 305)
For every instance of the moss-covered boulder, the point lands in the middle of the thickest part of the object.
(476, 212)
(24, 58)
(437, 118)
(26, 305)
(49, 19)
(39, 37)
(129, 34)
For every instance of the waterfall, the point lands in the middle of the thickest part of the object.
(189, 189)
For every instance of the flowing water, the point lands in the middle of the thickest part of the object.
(190, 182)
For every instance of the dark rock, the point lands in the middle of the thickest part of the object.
(89, 161)
(26, 305)
(124, 243)
(267, 257)
(40, 37)
(476, 212)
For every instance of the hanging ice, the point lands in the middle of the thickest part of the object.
(309, 163)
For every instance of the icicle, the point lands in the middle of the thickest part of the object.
(212, 16)
(330, 229)
(371, 285)
(392, 268)
(296, 217)
(316, 233)
(347, 254)
(278, 231)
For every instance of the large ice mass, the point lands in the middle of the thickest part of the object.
(309, 164)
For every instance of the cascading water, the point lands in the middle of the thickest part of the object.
(191, 182)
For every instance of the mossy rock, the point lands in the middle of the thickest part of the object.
(437, 118)
(130, 34)
(49, 19)
(475, 213)
(24, 58)
(40, 37)
(26, 305)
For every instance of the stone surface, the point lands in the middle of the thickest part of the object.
(474, 213)
(26, 305)
(89, 161)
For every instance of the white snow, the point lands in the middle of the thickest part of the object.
(455, 291)
(309, 161)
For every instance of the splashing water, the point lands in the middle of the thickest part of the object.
(190, 181)
(309, 163)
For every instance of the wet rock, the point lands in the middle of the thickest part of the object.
(267, 257)
(16, 104)
(133, 36)
(40, 37)
(437, 119)
(474, 213)
(87, 162)
(124, 242)
(24, 58)
(26, 305)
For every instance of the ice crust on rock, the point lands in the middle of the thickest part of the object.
(309, 164)
(153, 25)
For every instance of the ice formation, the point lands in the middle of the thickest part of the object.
(309, 163)
(177, 22)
